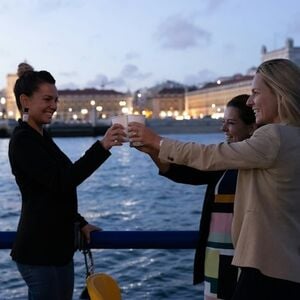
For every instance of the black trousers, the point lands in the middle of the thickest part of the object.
(253, 285)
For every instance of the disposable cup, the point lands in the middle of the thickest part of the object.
(138, 119)
(124, 120)
(121, 119)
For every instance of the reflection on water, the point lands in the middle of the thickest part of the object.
(125, 193)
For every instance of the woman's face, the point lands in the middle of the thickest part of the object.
(42, 105)
(263, 102)
(234, 127)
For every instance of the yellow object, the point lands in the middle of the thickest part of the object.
(103, 287)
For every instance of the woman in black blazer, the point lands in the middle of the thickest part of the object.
(44, 246)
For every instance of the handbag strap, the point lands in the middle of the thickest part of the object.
(88, 261)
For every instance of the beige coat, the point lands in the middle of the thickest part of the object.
(266, 225)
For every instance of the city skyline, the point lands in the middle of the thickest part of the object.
(131, 44)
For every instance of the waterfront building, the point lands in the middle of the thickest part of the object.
(169, 103)
(210, 100)
(78, 105)
(165, 100)
(92, 104)
(289, 52)
(11, 107)
(168, 99)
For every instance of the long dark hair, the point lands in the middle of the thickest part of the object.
(29, 81)
(246, 113)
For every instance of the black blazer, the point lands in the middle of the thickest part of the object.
(188, 175)
(47, 180)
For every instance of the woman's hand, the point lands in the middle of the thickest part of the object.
(86, 231)
(149, 139)
(114, 136)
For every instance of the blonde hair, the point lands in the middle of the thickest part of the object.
(283, 78)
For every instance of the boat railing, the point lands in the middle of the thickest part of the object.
(128, 239)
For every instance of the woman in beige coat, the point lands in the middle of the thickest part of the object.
(266, 224)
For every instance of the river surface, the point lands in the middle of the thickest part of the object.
(125, 193)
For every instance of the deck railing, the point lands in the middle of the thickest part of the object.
(128, 239)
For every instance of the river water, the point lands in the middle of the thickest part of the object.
(125, 193)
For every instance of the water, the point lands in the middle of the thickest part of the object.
(125, 193)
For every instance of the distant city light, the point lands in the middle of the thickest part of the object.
(99, 108)
(217, 116)
(70, 109)
(162, 114)
(93, 102)
(219, 81)
(3, 100)
(84, 111)
(124, 110)
(213, 105)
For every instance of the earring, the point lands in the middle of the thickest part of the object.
(25, 114)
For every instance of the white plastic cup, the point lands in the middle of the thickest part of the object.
(121, 119)
(124, 120)
(138, 119)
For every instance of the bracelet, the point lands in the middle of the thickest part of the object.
(160, 142)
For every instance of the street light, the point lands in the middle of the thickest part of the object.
(93, 112)
(3, 108)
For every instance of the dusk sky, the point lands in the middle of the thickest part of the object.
(131, 44)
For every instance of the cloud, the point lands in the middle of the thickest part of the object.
(4, 7)
(129, 74)
(131, 71)
(201, 77)
(294, 25)
(213, 5)
(48, 6)
(131, 55)
(179, 34)
(68, 86)
(68, 74)
(100, 81)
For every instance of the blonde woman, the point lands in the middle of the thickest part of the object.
(266, 222)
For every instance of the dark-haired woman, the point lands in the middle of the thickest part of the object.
(44, 246)
(214, 251)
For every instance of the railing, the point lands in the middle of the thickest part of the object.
(128, 239)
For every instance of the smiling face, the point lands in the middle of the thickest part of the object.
(263, 102)
(42, 105)
(234, 127)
